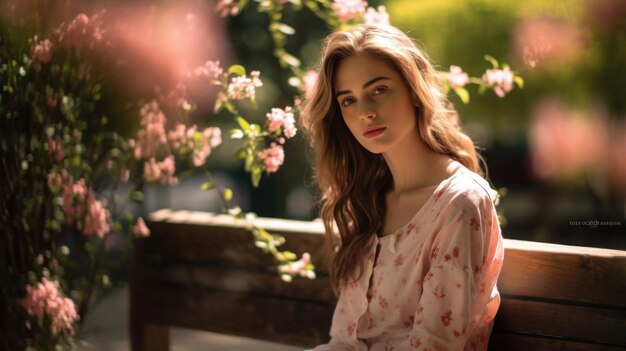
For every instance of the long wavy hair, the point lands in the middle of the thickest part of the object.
(352, 180)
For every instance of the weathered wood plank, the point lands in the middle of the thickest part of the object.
(565, 321)
(242, 281)
(293, 322)
(568, 275)
(520, 342)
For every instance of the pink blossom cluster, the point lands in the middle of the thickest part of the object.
(211, 70)
(201, 144)
(97, 218)
(547, 41)
(141, 229)
(82, 32)
(378, 15)
(74, 196)
(278, 118)
(45, 299)
(501, 80)
(80, 205)
(308, 82)
(299, 266)
(162, 172)
(349, 9)
(564, 143)
(457, 78)
(242, 87)
(42, 52)
(55, 149)
(227, 7)
(273, 157)
(151, 135)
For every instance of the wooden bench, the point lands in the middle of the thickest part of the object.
(202, 271)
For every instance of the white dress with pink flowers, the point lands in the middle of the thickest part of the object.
(433, 283)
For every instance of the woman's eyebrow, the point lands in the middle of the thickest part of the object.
(365, 85)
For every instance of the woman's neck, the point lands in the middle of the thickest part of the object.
(413, 165)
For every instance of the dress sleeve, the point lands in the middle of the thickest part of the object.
(457, 289)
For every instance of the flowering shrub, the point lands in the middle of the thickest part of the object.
(69, 138)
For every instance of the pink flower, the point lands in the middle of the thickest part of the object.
(97, 218)
(242, 87)
(273, 157)
(348, 9)
(82, 32)
(151, 170)
(278, 118)
(46, 299)
(163, 171)
(563, 144)
(547, 41)
(379, 15)
(54, 181)
(309, 80)
(42, 52)
(457, 77)
(298, 266)
(211, 70)
(74, 195)
(140, 229)
(55, 149)
(501, 80)
(151, 136)
(211, 138)
(227, 7)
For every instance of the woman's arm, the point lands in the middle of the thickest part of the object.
(459, 299)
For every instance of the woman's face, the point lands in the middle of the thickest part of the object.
(375, 103)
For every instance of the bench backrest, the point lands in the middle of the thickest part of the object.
(202, 271)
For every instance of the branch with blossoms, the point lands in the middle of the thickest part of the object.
(342, 14)
(501, 80)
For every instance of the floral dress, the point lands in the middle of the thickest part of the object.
(430, 285)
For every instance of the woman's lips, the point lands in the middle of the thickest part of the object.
(374, 132)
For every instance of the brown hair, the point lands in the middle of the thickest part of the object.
(353, 181)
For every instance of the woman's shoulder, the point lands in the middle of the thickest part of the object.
(466, 188)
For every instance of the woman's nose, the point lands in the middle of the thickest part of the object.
(367, 112)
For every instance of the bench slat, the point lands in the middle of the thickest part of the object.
(260, 317)
(565, 321)
(520, 342)
(242, 281)
(566, 275)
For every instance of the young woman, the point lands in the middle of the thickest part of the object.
(417, 247)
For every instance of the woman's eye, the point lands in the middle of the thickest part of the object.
(379, 90)
(347, 102)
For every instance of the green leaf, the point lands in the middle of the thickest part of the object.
(256, 176)
(236, 134)
(483, 88)
(245, 126)
(136, 196)
(219, 102)
(249, 161)
(290, 256)
(240, 154)
(227, 194)
(283, 28)
(237, 69)
(519, 81)
(207, 186)
(493, 61)
(463, 94)
(295, 82)
(291, 60)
